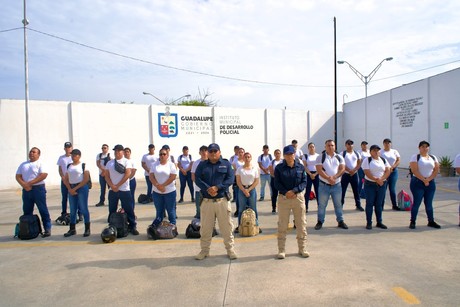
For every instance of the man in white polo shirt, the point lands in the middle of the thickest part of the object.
(117, 173)
(330, 167)
(353, 162)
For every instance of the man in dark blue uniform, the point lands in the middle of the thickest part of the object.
(290, 181)
(214, 176)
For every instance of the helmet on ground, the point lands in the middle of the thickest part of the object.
(109, 234)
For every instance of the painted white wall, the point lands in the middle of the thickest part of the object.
(424, 110)
(89, 125)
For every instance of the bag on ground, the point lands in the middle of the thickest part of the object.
(165, 230)
(29, 227)
(143, 199)
(248, 226)
(63, 220)
(404, 201)
(119, 220)
(193, 230)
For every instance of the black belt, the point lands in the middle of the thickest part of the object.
(73, 185)
(38, 185)
(247, 186)
(330, 185)
(313, 172)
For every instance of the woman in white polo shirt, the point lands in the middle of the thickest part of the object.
(376, 171)
(247, 179)
(163, 175)
(76, 180)
(425, 168)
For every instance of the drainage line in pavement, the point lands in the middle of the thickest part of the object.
(226, 283)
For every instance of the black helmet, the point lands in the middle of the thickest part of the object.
(109, 234)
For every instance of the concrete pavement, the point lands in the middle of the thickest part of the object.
(354, 267)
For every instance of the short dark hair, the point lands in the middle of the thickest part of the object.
(294, 142)
(265, 147)
(204, 148)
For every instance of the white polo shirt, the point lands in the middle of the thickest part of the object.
(390, 155)
(351, 159)
(116, 176)
(330, 166)
(425, 165)
(376, 167)
(63, 161)
(148, 160)
(162, 173)
(30, 170)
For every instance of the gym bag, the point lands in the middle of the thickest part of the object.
(165, 230)
(119, 220)
(29, 227)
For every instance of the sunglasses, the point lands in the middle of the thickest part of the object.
(163, 154)
(213, 150)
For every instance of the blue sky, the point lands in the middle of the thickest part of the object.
(283, 42)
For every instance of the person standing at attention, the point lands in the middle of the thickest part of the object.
(352, 164)
(309, 162)
(425, 168)
(330, 167)
(393, 157)
(132, 178)
(247, 179)
(31, 176)
(290, 181)
(76, 179)
(198, 196)
(376, 170)
(272, 167)
(101, 161)
(117, 175)
(264, 162)
(364, 152)
(147, 160)
(214, 177)
(185, 163)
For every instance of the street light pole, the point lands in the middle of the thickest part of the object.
(365, 80)
(150, 94)
(25, 22)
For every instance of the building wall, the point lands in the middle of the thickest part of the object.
(424, 110)
(89, 125)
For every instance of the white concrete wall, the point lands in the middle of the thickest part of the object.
(89, 125)
(428, 110)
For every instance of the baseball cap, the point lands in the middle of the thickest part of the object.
(213, 146)
(165, 147)
(387, 141)
(375, 147)
(76, 152)
(364, 143)
(118, 147)
(349, 142)
(151, 146)
(67, 144)
(288, 150)
(423, 143)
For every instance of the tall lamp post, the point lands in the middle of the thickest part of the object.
(150, 94)
(365, 80)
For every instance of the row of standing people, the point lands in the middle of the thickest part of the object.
(422, 184)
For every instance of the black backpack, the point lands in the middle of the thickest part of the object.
(369, 159)
(119, 220)
(143, 199)
(29, 227)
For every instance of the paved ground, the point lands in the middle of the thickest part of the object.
(354, 267)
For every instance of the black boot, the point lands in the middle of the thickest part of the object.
(87, 230)
(71, 231)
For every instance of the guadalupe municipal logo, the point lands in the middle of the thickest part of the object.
(167, 124)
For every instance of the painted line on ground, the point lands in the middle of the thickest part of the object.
(406, 296)
(6, 245)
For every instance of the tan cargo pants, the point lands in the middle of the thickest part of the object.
(297, 205)
(210, 210)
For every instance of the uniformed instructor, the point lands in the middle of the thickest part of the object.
(290, 181)
(214, 177)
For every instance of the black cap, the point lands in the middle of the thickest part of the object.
(349, 142)
(387, 140)
(118, 147)
(185, 148)
(151, 146)
(423, 143)
(375, 147)
(76, 152)
(364, 143)
(165, 147)
(67, 145)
